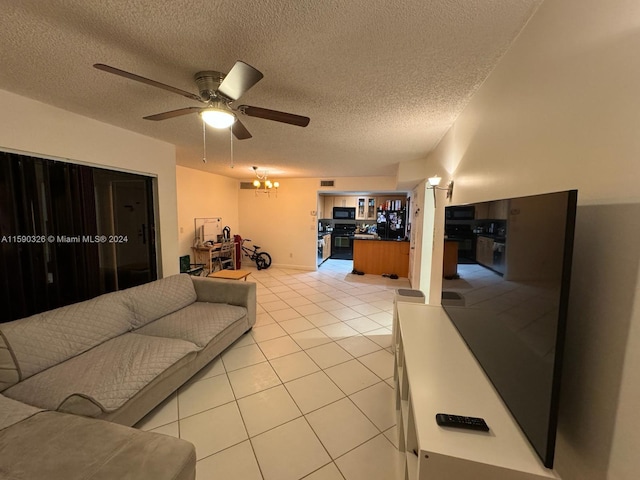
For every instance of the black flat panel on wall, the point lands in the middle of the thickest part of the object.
(53, 216)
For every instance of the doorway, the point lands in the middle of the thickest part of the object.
(125, 216)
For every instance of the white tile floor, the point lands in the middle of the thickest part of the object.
(306, 394)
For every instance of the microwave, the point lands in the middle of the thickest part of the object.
(344, 213)
(467, 212)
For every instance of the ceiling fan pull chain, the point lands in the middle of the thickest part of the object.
(204, 143)
(231, 133)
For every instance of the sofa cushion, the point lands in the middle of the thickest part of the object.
(199, 323)
(105, 377)
(9, 374)
(12, 411)
(55, 446)
(162, 297)
(46, 339)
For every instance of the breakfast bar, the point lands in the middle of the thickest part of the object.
(379, 257)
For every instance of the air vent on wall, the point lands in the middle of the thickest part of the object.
(327, 183)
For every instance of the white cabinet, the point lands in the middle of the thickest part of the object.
(436, 373)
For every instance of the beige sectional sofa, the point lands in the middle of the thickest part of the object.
(115, 358)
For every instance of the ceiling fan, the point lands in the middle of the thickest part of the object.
(217, 92)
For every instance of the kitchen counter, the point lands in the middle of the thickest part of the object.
(381, 256)
(360, 236)
(495, 238)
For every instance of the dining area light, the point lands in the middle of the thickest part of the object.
(263, 184)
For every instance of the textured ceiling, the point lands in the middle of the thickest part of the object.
(381, 80)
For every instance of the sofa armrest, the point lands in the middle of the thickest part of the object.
(233, 292)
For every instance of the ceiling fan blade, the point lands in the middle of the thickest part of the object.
(239, 79)
(239, 130)
(274, 115)
(173, 113)
(153, 83)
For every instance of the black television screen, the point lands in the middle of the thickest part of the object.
(508, 297)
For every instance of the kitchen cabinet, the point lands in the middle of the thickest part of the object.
(450, 260)
(328, 206)
(326, 246)
(366, 208)
(495, 210)
(344, 201)
(499, 210)
(481, 211)
(331, 201)
(484, 251)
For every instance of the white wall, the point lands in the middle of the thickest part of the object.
(283, 225)
(204, 195)
(34, 128)
(560, 111)
(422, 241)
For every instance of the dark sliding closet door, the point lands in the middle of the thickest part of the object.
(69, 233)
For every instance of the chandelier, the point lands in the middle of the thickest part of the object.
(263, 184)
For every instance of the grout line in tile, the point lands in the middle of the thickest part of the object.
(320, 468)
(205, 410)
(363, 412)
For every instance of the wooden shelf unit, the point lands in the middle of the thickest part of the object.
(436, 373)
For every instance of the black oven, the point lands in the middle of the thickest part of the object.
(342, 241)
(344, 213)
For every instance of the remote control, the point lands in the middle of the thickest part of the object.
(458, 421)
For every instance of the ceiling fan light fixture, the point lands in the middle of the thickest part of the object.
(218, 118)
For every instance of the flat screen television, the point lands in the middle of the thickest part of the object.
(508, 300)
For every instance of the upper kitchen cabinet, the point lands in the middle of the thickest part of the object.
(496, 210)
(366, 208)
(499, 210)
(330, 201)
(481, 210)
(344, 201)
(327, 210)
